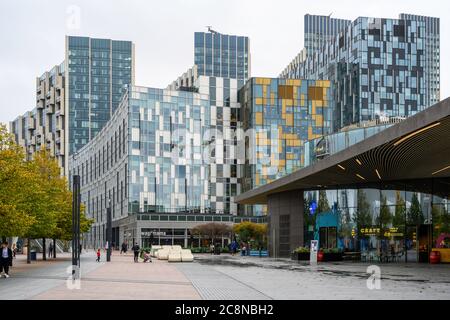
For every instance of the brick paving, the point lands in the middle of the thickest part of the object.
(122, 279)
(213, 284)
(221, 278)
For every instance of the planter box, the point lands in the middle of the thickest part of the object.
(333, 256)
(300, 256)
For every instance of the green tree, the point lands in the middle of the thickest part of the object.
(212, 230)
(16, 187)
(53, 201)
(249, 231)
(385, 217)
(345, 229)
(400, 211)
(45, 175)
(415, 214)
(322, 205)
(362, 217)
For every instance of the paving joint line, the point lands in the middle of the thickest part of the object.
(245, 284)
(105, 280)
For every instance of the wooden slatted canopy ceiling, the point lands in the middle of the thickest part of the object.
(412, 155)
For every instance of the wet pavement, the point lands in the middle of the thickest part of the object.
(224, 277)
(287, 279)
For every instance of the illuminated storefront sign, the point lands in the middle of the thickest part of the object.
(375, 231)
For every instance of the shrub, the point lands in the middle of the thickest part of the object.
(301, 250)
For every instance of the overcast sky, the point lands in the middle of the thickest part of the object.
(32, 34)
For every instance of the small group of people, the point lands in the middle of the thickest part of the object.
(136, 250)
(6, 259)
(245, 249)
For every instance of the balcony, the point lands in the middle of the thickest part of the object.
(59, 82)
(40, 103)
(49, 137)
(50, 108)
(30, 123)
(40, 94)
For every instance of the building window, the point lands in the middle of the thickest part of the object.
(285, 92)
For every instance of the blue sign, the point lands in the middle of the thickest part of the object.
(313, 207)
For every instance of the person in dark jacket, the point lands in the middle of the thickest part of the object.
(6, 258)
(136, 250)
(124, 248)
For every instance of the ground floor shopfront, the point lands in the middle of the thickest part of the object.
(161, 229)
(367, 224)
(380, 225)
(384, 196)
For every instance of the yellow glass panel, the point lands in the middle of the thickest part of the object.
(259, 118)
(310, 133)
(289, 119)
(259, 101)
(319, 120)
(261, 135)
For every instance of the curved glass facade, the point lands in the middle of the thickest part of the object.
(330, 144)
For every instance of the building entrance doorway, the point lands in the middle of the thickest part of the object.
(328, 237)
(425, 242)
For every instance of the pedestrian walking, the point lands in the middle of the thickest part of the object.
(124, 248)
(211, 248)
(14, 250)
(81, 248)
(98, 255)
(234, 246)
(136, 250)
(50, 250)
(6, 258)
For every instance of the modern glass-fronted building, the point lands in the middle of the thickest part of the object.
(382, 225)
(76, 98)
(222, 55)
(162, 155)
(97, 70)
(432, 56)
(278, 117)
(377, 67)
(319, 30)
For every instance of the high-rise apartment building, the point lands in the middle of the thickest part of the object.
(222, 55)
(75, 99)
(432, 56)
(377, 67)
(319, 30)
(45, 125)
(97, 70)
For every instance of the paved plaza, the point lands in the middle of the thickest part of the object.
(221, 278)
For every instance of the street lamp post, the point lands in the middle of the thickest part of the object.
(108, 230)
(76, 226)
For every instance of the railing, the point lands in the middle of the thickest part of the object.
(174, 217)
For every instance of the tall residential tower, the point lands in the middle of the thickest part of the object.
(76, 98)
